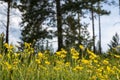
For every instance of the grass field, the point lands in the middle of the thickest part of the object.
(63, 65)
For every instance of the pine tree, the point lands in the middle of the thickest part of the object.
(83, 7)
(34, 13)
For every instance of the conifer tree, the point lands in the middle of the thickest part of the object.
(34, 13)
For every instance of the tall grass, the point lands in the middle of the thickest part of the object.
(63, 65)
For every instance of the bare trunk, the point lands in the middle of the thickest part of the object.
(92, 14)
(99, 21)
(59, 25)
(8, 22)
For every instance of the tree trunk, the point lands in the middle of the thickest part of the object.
(59, 25)
(8, 22)
(93, 29)
(79, 28)
(99, 21)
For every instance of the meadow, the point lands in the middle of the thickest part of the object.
(62, 65)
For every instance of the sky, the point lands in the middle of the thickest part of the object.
(109, 25)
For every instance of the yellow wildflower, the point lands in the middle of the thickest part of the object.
(9, 67)
(75, 54)
(100, 76)
(47, 62)
(84, 61)
(8, 46)
(40, 55)
(37, 61)
(58, 53)
(27, 45)
(78, 68)
(117, 56)
(81, 47)
(92, 55)
(105, 62)
(59, 62)
(16, 54)
(62, 53)
(95, 61)
(56, 68)
(108, 69)
(67, 64)
(99, 70)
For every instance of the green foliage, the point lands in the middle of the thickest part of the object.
(114, 45)
(62, 14)
(75, 33)
(34, 13)
(114, 42)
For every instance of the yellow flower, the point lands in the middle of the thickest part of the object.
(108, 69)
(117, 56)
(75, 54)
(56, 68)
(37, 61)
(81, 47)
(58, 53)
(9, 67)
(105, 62)
(84, 61)
(47, 62)
(78, 68)
(92, 55)
(59, 62)
(16, 54)
(0, 56)
(99, 70)
(100, 76)
(8, 46)
(62, 53)
(75, 57)
(67, 64)
(40, 55)
(95, 61)
(27, 45)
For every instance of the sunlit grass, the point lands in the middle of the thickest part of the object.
(63, 65)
